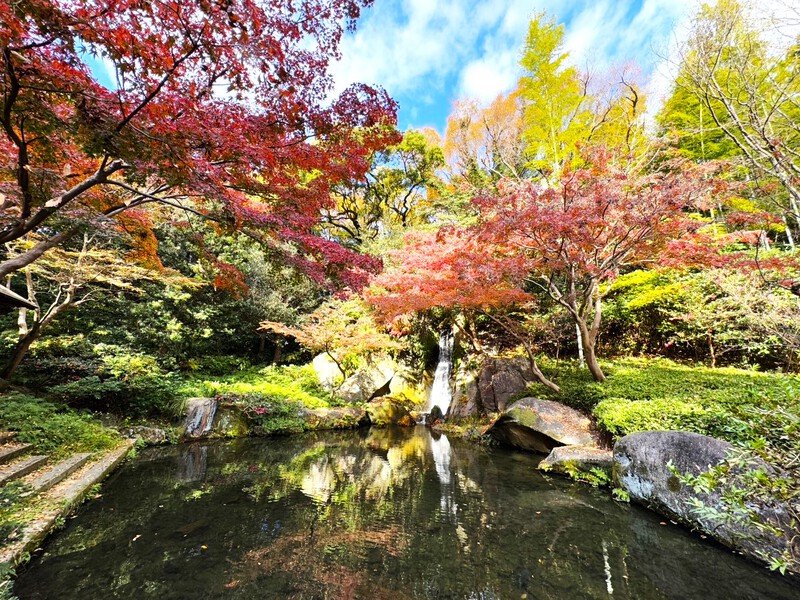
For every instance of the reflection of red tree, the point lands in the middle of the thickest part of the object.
(302, 556)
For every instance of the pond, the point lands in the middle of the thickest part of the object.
(378, 514)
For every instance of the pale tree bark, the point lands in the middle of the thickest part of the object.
(579, 337)
(65, 298)
(586, 310)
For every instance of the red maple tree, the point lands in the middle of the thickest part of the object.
(570, 239)
(453, 268)
(566, 241)
(220, 108)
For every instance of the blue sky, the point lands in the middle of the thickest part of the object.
(427, 53)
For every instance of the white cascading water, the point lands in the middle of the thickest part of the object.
(440, 448)
(441, 394)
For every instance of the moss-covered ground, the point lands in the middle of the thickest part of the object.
(741, 406)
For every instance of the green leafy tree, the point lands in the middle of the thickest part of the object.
(395, 194)
(69, 277)
(345, 330)
(555, 98)
(746, 80)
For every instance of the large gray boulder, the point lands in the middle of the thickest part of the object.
(645, 466)
(500, 379)
(491, 388)
(380, 376)
(541, 425)
(466, 400)
(387, 410)
(230, 421)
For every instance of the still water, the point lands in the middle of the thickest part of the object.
(377, 514)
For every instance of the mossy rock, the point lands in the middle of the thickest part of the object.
(387, 410)
(335, 418)
(230, 421)
(541, 425)
(584, 463)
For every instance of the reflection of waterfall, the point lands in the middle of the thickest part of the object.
(193, 463)
(440, 449)
(440, 391)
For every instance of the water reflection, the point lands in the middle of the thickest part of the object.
(378, 514)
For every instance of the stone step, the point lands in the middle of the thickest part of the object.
(58, 473)
(9, 452)
(20, 468)
(7, 436)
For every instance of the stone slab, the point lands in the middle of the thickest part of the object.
(59, 472)
(19, 469)
(60, 500)
(11, 451)
(574, 460)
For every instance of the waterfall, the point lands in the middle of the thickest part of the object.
(441, 394)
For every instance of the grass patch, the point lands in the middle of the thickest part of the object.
(273, 398)
(656, 394)
(52, 428)
(293, 384)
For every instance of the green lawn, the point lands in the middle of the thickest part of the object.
(647, 394)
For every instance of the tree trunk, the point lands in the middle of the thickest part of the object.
(589, 339)
(537, 372)
(278, 354)
(20, 350)
(789, 237)
(468, 330)
(581, 356)
(592, 364)
(262, 342)
(711, 350)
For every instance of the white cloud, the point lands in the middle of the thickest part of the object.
(398, 44)
(415, 46)
(485, 78)
(418, 48)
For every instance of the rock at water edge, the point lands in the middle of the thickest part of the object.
(645, 466)
(577, 460)
(541, 425)
(199, 417)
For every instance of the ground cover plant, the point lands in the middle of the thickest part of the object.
(53, 428)
(738, 405)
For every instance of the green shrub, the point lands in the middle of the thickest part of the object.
(53, 361)
(273, 414)
(621, 416)
(640, 394)
(52, 428)
(124, 382)
(218, 365)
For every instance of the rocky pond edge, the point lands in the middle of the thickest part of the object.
(655, 469)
